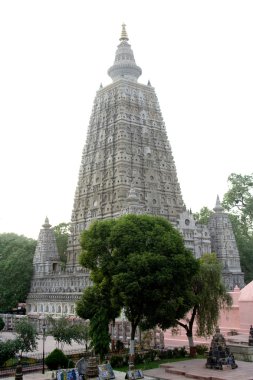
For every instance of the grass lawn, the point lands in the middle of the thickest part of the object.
(151, 365)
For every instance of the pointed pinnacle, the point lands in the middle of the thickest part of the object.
(124, 36)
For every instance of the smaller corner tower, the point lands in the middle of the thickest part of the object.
(46, 259)
(224, 244)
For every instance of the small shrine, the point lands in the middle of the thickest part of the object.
(219, 354)
(92, 368)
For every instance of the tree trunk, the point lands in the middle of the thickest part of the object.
(190, 340)
(131, 347)
(191, 344)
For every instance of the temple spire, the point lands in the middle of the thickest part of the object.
(124, 65)
(218, 207)
(124, 36)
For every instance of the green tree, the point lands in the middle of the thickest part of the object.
(95, 306)
(210, 297)
(56, 359)
(64, 331)
(62, 233)
(60, 330)
(239, 198)
(8, 349)
(202, 217)
(16, 269)
(238, 201)
(81, 333)
(27, 336)
(140, 264)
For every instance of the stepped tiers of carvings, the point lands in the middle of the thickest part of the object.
(127, 166)
(224, 244)
(196, 236)
(219, 354)
(53, 290)
(127, 153)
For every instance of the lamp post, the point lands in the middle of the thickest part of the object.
(43, 346)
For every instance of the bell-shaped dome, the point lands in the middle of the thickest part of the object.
(124, 64)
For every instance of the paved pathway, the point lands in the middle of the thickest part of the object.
(195, 369)
(48, 376)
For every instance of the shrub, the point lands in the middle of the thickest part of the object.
(169, 354)
(119, 345)
(8, 349)
(149, 356)
(56, 359)
(182, 352)
(116, 361)
(201, 349)
(138, 358)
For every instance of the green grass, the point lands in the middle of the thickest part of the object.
(151, 365)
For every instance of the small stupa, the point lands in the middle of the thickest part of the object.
(92, 368)
(219, 354)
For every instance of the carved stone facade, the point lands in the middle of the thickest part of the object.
(224, 244)
(196, 236)
(127, 166)
(53, 291)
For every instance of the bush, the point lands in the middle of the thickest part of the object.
(8, 349)
(149, 356)
(182, 352)
(201, 349)
(117, 361)
(56, 359)
(119, 345)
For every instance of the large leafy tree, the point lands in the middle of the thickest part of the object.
(238, 201)
(97, 306)
(65, 332)
(16, 257)
(203, 216)
(62, 232)
(239, 198)
(210, 296)
(140, 264)
(27, 336)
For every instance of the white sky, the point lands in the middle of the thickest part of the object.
(53, 56)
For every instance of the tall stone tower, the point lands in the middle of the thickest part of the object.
(224, 244)
(127, 163)
(127, 167)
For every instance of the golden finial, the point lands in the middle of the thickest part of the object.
(123, 33)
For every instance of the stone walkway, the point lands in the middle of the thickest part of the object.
(48, 376)
(195, 369)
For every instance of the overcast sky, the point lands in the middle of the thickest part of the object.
(53, 56)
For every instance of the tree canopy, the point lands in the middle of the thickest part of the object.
(238, 201)
(203, 216)
(64, 331)
(138, 263)
(239, 198)
(62, 232)
(210, 296)
(26, 336)
(16, 257)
